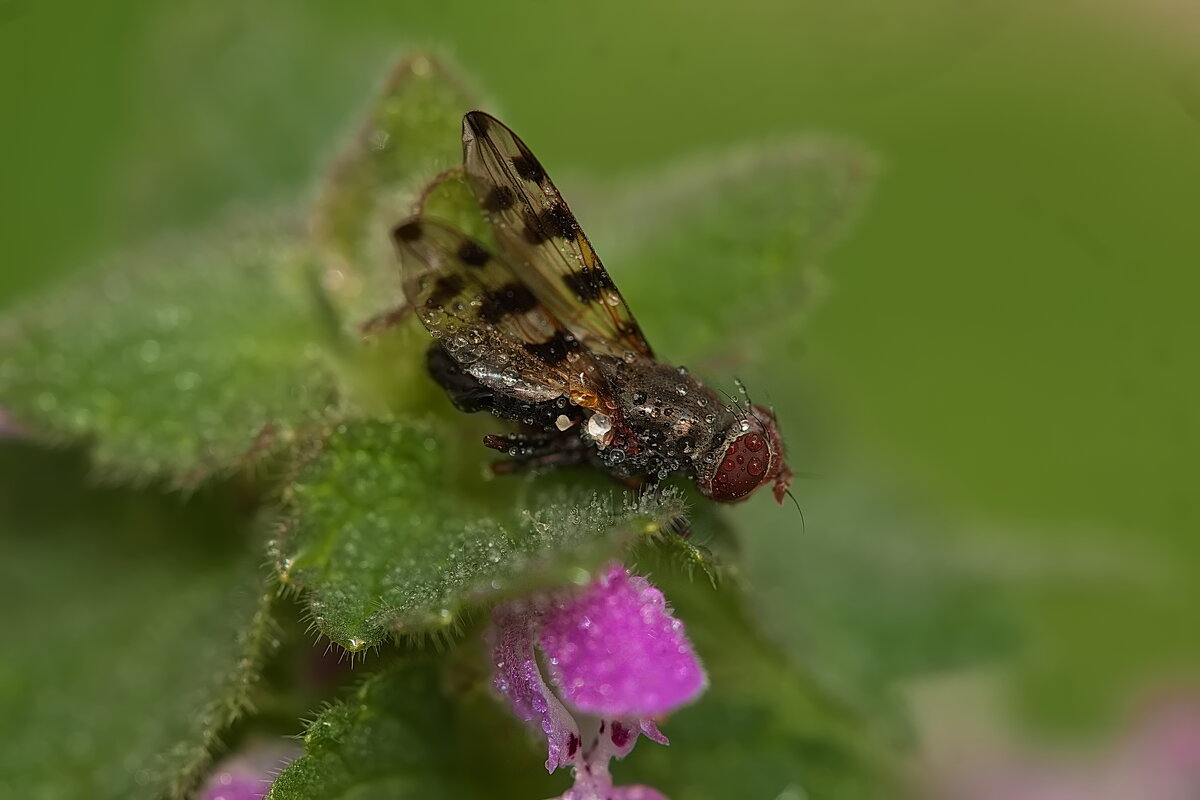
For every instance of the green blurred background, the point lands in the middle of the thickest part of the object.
(1011, 327)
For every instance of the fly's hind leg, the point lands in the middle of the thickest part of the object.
(535, 451)
(527, 450)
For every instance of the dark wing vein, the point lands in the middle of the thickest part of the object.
(534, 224)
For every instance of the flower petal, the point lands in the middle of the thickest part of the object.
(616, 651)
(519, 679)
(615, 738)
(248, 774)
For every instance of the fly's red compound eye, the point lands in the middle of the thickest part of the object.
(746, 466)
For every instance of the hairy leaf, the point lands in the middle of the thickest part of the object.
(388, 532)
(195, 359)
(409, 733)
(412, 132)
(136, 624)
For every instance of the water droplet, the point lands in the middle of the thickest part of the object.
(149, 351)
(563, 422)
(745, 425)
(379, 139)
(681, 389)
(598, 425)
(616, 456)
(333, 279)
(710, 418)
(186, 380)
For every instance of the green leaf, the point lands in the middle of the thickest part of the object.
(135, 627)
(871, 591)
(195, 359)
(714, 256)
(406, 734)
(391, 529)
(384, 371)
(411, 133)
(761, 730)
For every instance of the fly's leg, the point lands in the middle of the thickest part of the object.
(534, 451)
(384, 320)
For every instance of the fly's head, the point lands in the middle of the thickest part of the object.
(748, 456)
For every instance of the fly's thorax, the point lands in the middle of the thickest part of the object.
(672, 421)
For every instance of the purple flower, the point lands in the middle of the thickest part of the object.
(9, 429)
(617, 658)
(1159, 759)
(248, 775)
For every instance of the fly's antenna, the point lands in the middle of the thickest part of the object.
(735, 405)
(750, 404)
(803, 525)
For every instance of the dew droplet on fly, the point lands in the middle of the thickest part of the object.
(598, 425)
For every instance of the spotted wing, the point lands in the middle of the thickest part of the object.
(474, 303)
(534, 224)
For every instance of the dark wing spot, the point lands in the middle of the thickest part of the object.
(631, 330)
(533, 231)
(407, 231)
(445, 289)
(511, 298)
(557, 220)
(553, 351)
(472, 254)
(528, 168)
(588, 283)
(500, 198)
